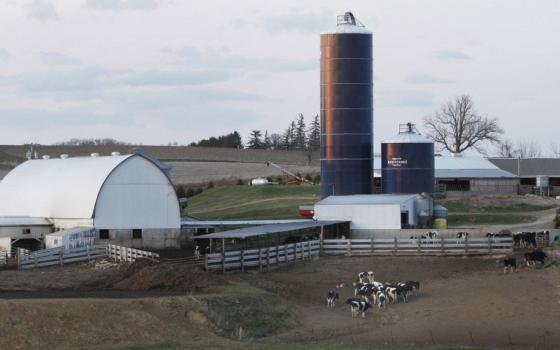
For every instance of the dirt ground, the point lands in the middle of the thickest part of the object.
(463, 301)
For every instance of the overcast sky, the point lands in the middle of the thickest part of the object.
(153, 72)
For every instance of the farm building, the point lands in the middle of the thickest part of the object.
(128, 199)
(465, 175)
(369, 212)
(534, 173)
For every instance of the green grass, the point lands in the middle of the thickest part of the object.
(464, 206)
(489, 219)
(252, 202)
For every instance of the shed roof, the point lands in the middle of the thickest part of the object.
(23, 221)
(367, 199)
(254, 231)
(57, 188)
(528, 167)
(212, 223)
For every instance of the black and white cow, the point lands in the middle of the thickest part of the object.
(381, 299)
(357, 306)
(462, 235)
(432, 234)
(510, 264)
(332, 297)
(366, 277)
(535, 256)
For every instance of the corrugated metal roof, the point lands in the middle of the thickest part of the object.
(529, 166)
(267, 229)
(23, 221)
(56, 188)
(365, 199)
(458, 167)
(211, 223)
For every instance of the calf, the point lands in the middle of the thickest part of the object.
(381, 299)
(510, 264)
(366, 277)
(357, 306)
(533, 257)
(332, 297)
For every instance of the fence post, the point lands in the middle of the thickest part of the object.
(206, 262)
(61, 256)
(419, 242)
(267, 257)
(243, 261)
(466, 244)
(223, 261)
(442, 245)
(295, 251)
(396, 247)
(260, 260)
(349, 247)
(489, 244)
(371, 245)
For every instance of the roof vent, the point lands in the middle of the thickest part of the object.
(114, 154)
(63, 156)
(94, 155)
(46, 157)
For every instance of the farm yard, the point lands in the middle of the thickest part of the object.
(462, 302)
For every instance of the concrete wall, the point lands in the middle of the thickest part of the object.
(363, 216)
(488, 186)
(151, 238)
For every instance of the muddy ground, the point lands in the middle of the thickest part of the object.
(463, 301)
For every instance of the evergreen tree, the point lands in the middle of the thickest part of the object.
(314, 138)
(232, 140)
(299, 133)
(267, 143)
(255, 141)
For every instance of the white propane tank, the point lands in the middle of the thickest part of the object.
(259, 181)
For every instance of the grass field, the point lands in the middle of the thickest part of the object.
(291, 346)
(252, 202)
(462, 206)
(489, 219)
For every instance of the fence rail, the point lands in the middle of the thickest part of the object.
(263, 257)
(59, 256)
(400, 246)
(120, 253)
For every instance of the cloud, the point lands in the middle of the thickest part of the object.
(216, 59)
(305, 23)
(44, 11)
(58, 58)
(449, 55)
(173, 78)
(4, 54)
(420, 78)
(403, 98)
(118, 5)
(472, 43)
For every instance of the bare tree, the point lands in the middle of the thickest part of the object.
(506, 149)
(527, 149)
(458, 127)
(555, 149)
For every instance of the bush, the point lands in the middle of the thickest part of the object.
(190, 192)
(180, 191)
(308, 178)
(317, 179)
(280, 179)
(210, 185)
(198, 191)
(240, 182)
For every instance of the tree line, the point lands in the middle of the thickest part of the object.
(297, 136)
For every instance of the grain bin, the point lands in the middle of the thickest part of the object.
(407, 162)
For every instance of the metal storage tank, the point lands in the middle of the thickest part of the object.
(346, 109)
(407, 162)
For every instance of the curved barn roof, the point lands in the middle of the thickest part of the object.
(56, 188)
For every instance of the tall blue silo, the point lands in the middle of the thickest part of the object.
(407, 162)
(346, 109)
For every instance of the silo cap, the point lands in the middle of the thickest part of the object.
(348, 24)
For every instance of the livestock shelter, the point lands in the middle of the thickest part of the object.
(465, 175)
(536, 175)
(271, 235)
(23, 231)
(128, 199)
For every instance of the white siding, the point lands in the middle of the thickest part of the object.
(137, 194)
(362, 216)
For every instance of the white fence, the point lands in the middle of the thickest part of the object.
(120, 253)
(403, 246)
(59, 256)
(263, 257)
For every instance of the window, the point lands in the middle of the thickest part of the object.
(103, 234)
(26, 231)
(136, 233)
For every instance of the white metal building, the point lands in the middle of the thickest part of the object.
(370, 212)
(127, 198)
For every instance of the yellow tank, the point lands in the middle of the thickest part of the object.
(440, 223)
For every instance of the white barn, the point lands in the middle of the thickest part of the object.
(127, 198)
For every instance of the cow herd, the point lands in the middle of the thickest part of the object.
(369, 293)
(531, 259)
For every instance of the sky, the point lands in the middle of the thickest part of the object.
(154, 72)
